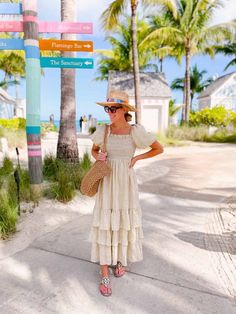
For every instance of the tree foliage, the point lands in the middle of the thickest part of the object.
(217, 116)
(184, 25)
(119, 57)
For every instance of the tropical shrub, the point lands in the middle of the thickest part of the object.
(7, 181)
(8, 201)
(48, 127)
(92, 129)
(63, 189)
(217, 116)
(8, 215)
(201, 133)
(222, 135)
(7, 167)
(15, 123)
(185, 132)
(64, 177)
(15, 137)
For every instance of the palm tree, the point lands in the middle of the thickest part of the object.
(12, 64)
(187, 30)
(110, 20)
(197, 84)
(173, 110)
(67, 147)
(119, 58)
(228, 50)
(159, 50)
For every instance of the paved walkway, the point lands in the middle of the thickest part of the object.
(189, 247)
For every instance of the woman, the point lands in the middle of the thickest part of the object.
(116, 232)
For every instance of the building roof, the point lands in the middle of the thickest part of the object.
(6, 98)
(215, 85)
(152, 84)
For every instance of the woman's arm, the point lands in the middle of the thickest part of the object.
(156, 149)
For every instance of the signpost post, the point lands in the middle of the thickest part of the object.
(33, 74)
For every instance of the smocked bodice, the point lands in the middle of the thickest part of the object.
(120, 147)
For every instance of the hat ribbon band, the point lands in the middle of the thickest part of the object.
(120, 101)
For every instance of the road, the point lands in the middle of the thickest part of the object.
(189, 264)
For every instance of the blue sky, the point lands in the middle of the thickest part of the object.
(88, 91)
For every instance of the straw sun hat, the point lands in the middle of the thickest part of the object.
(118, 97)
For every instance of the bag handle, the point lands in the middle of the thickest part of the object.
(104, 148)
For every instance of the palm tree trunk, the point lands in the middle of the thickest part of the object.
(67, 147)
(184, 102)
(17, 79)
(187, 85)
(161, 65)
(134, 5)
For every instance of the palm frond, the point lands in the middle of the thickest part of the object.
(169, 4)
(105, 53)
(231, 63)
(163, 34)
(110, 16)
(187, 16)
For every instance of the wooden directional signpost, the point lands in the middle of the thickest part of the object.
(32, 46)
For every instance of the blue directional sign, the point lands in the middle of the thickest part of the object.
(80, 63)
(10, 8)
(11, 44)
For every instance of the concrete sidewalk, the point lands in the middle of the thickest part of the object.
(188, 256)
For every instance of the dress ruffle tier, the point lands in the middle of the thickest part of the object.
(116, 233)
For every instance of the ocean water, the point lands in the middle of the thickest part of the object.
(57, 123)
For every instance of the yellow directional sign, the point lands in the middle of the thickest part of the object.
(65, 45)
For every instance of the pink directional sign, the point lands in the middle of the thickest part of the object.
(66, 27)
(50, 27)
(11, 26)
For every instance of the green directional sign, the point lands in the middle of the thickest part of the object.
(80, 63)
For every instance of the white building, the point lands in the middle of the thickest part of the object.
(11, 107)
(7, 104)
(155, 97)
(221, 92)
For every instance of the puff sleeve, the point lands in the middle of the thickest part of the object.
(98, 136)
(141, 137)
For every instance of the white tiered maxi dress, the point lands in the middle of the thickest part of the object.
(116, 233)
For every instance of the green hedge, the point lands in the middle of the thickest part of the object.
(217, 116)
(16, 123)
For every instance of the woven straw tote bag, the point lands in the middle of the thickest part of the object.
(100, 169)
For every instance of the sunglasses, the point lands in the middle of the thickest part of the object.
(112, 109)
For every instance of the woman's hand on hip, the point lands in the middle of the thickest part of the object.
(133, 162)
(102, 156)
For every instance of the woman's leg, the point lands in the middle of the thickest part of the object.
(105, 287)
(119, 270)
(104, 270)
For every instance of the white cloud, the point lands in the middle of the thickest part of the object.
(227, 13)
